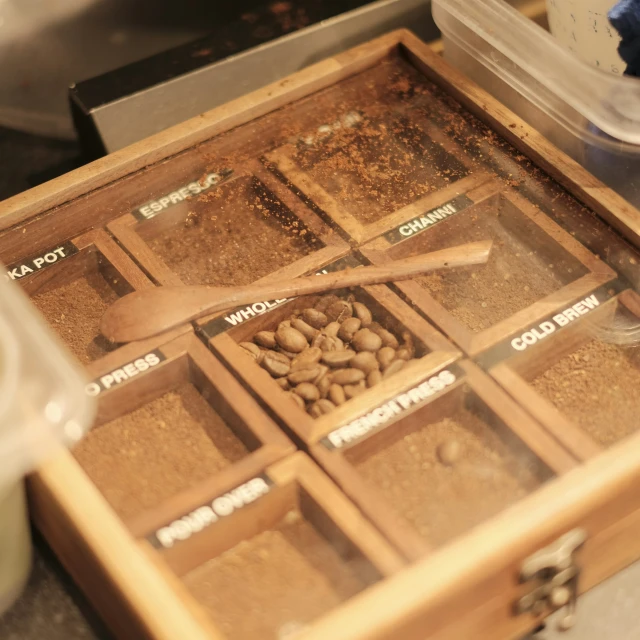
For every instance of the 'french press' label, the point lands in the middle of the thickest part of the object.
(41, 261)
(125, 373)
(391, 411)
(204, 516)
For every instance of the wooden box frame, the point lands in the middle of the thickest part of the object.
(124, 229)
(598, 273)
(513, 373)
(466, 589)
(384, 305)
(470, 380)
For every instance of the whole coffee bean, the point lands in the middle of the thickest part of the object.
(321, 408)
(336, 394)
(353, 390)
(407, 343)
(337, 359)
(394, 367)
(315, 318)
(366, 340)
(296, 398)
(339, 311)
(322, 372)
(305, 329)
(266, 339)
(285, 323)
(332, 329)
(388, 339)
(365, 361)
(306, 358)
(283, 383)
(303, 375)
(329, 343)
(449, 452)
(290, 339)
(348, 329)
(326, 301)
(404, 354)
(386, 356)
(277, 364)
(363, 314)
(307, 391)
(347, 376)
(252, 349)
(324, 385)
(374, 378)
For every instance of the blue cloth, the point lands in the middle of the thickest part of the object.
(625, 19)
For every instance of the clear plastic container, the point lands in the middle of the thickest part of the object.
(43, 406)
(592, 115)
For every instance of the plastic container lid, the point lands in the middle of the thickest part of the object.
(518, 50)
(43, 403)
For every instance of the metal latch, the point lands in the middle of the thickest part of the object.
(556, 569)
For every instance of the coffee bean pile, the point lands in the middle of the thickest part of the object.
(327, 354)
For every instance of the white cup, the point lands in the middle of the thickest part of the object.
(583, 27)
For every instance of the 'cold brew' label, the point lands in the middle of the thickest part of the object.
(151, 209)
(125, 373)
(428, 219)
(389, 412)
(221, 507)
(242, 314)
(540, 331)
(40, 261)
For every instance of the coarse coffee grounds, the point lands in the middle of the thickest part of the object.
(525, 265)
(162, 448)
(233, 235)
(271, 585)
(595, 387)
(443, 500)
(75, 309)
(376, 167)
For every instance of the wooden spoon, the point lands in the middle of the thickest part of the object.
(143, 314)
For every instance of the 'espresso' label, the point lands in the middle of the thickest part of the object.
(387, 413)
(551, 324)
(221, 507)
(242, 314)
(125, 373)
(427, 220)
(151, 209)
(40, 261)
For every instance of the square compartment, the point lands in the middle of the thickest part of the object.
(582, 381)
(444, 465)
(170, 419)
(431, 349)
(295, 553)
(85, 276)
(534, 268)
(244, 228)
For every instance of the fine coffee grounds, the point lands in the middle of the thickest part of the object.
(443, 500)
(75, 310)
(595, 387)
(233, 235)
(162, 448)
(276, 582)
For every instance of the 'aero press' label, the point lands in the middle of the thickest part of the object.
(151, 209)
(221, 507)
(125, 373)
(40, 261)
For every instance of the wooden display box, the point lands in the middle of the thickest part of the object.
(535, 267)
(432, 351)
(477, 584)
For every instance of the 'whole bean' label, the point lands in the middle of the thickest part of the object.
(427, 220)
(242, 314)
(391, 411)
(40, 261)
(125, 373)
(221, 507)
(540, 331)
(152, 209)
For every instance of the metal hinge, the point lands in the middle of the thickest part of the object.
(557, 573)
